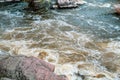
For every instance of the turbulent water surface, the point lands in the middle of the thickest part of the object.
(83, 43)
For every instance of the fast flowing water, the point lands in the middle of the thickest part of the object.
(82, 43)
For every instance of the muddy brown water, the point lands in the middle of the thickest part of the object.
(83, 43)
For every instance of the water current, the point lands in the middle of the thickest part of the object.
(83, 43)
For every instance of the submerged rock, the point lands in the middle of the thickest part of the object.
(27, 68)
(110, 61)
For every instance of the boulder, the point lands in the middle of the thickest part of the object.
(27, 68)
(67, 3)
(117, 8)
(36, 5)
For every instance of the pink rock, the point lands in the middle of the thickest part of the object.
(117, 8)
(27, 68)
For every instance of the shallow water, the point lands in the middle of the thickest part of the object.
(82, 43)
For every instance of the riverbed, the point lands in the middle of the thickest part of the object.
(83, 43)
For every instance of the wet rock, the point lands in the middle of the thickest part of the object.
(42, 54)
(67, 3)
(99, 76)
(37, 4)
(27, 68)
(117, 8)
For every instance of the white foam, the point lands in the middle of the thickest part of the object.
(106, 5)
(56, 40)
(114, 46)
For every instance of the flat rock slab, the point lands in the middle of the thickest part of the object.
(27, 68)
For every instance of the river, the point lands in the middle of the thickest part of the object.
(83, 43)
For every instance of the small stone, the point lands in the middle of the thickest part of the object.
(42, 55)
(100, 76)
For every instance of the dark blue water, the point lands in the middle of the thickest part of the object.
(95, 17)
